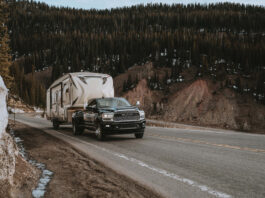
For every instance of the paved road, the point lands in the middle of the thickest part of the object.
(179, 162)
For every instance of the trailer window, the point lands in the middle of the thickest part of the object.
(66, 94)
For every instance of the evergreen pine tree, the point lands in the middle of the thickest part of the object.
(5, 59)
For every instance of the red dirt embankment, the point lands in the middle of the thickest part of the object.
(200, 102)
(197, 104)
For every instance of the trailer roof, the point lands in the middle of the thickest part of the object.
(74, 74)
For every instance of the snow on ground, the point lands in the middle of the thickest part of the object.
(15, 110)
(3, 110)
(38, 110)
(46, 175)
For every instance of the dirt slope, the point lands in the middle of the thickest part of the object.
(198, 102)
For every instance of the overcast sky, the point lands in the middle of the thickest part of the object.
(103, 4)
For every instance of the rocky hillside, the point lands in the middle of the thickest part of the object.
(198, 101)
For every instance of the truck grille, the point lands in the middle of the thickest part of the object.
(127, 116)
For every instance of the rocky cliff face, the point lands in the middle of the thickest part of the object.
(8, 156)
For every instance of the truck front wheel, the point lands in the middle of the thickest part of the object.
(77, 130)
(99, 133)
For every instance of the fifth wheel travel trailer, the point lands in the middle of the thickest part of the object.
(72, 91)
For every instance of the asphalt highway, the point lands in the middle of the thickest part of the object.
(177, 162)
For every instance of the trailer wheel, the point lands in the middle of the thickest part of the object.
(55, 124)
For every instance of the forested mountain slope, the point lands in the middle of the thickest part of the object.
(221, 42)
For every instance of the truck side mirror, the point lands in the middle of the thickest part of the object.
(138, 103)
(85, 105)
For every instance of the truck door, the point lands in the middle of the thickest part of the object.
(90, 115)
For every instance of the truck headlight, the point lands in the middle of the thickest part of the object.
(107, 116)
(142, 115)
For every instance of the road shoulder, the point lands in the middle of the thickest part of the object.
(75, 173)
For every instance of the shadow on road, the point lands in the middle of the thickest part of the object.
(91, 135)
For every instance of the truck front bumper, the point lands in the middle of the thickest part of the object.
(123, 127)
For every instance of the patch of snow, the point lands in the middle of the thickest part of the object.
(15, 110)
(235, 87)
(220, 61)
(174, 61)
(43, 182)
(3, 110)
(246, 90)
(188, 63)
(168, 81)
(261, 96)
(212, 74)
(180, 80)
(46, 174)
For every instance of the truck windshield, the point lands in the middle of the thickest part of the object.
(113, 102)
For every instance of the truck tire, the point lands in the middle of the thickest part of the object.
(77, 130)
(139, 135)
(55, 124)
(99, 133)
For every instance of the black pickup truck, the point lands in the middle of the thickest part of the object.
(108, 116)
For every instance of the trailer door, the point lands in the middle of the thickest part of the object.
(56, 101)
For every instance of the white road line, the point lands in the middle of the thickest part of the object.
(163, 172)
(228, 132)
(190, 130)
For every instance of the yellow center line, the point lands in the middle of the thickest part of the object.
(208, 143)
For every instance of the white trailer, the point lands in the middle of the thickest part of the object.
(72, 91)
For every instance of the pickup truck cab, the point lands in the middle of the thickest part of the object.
(107, 116)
